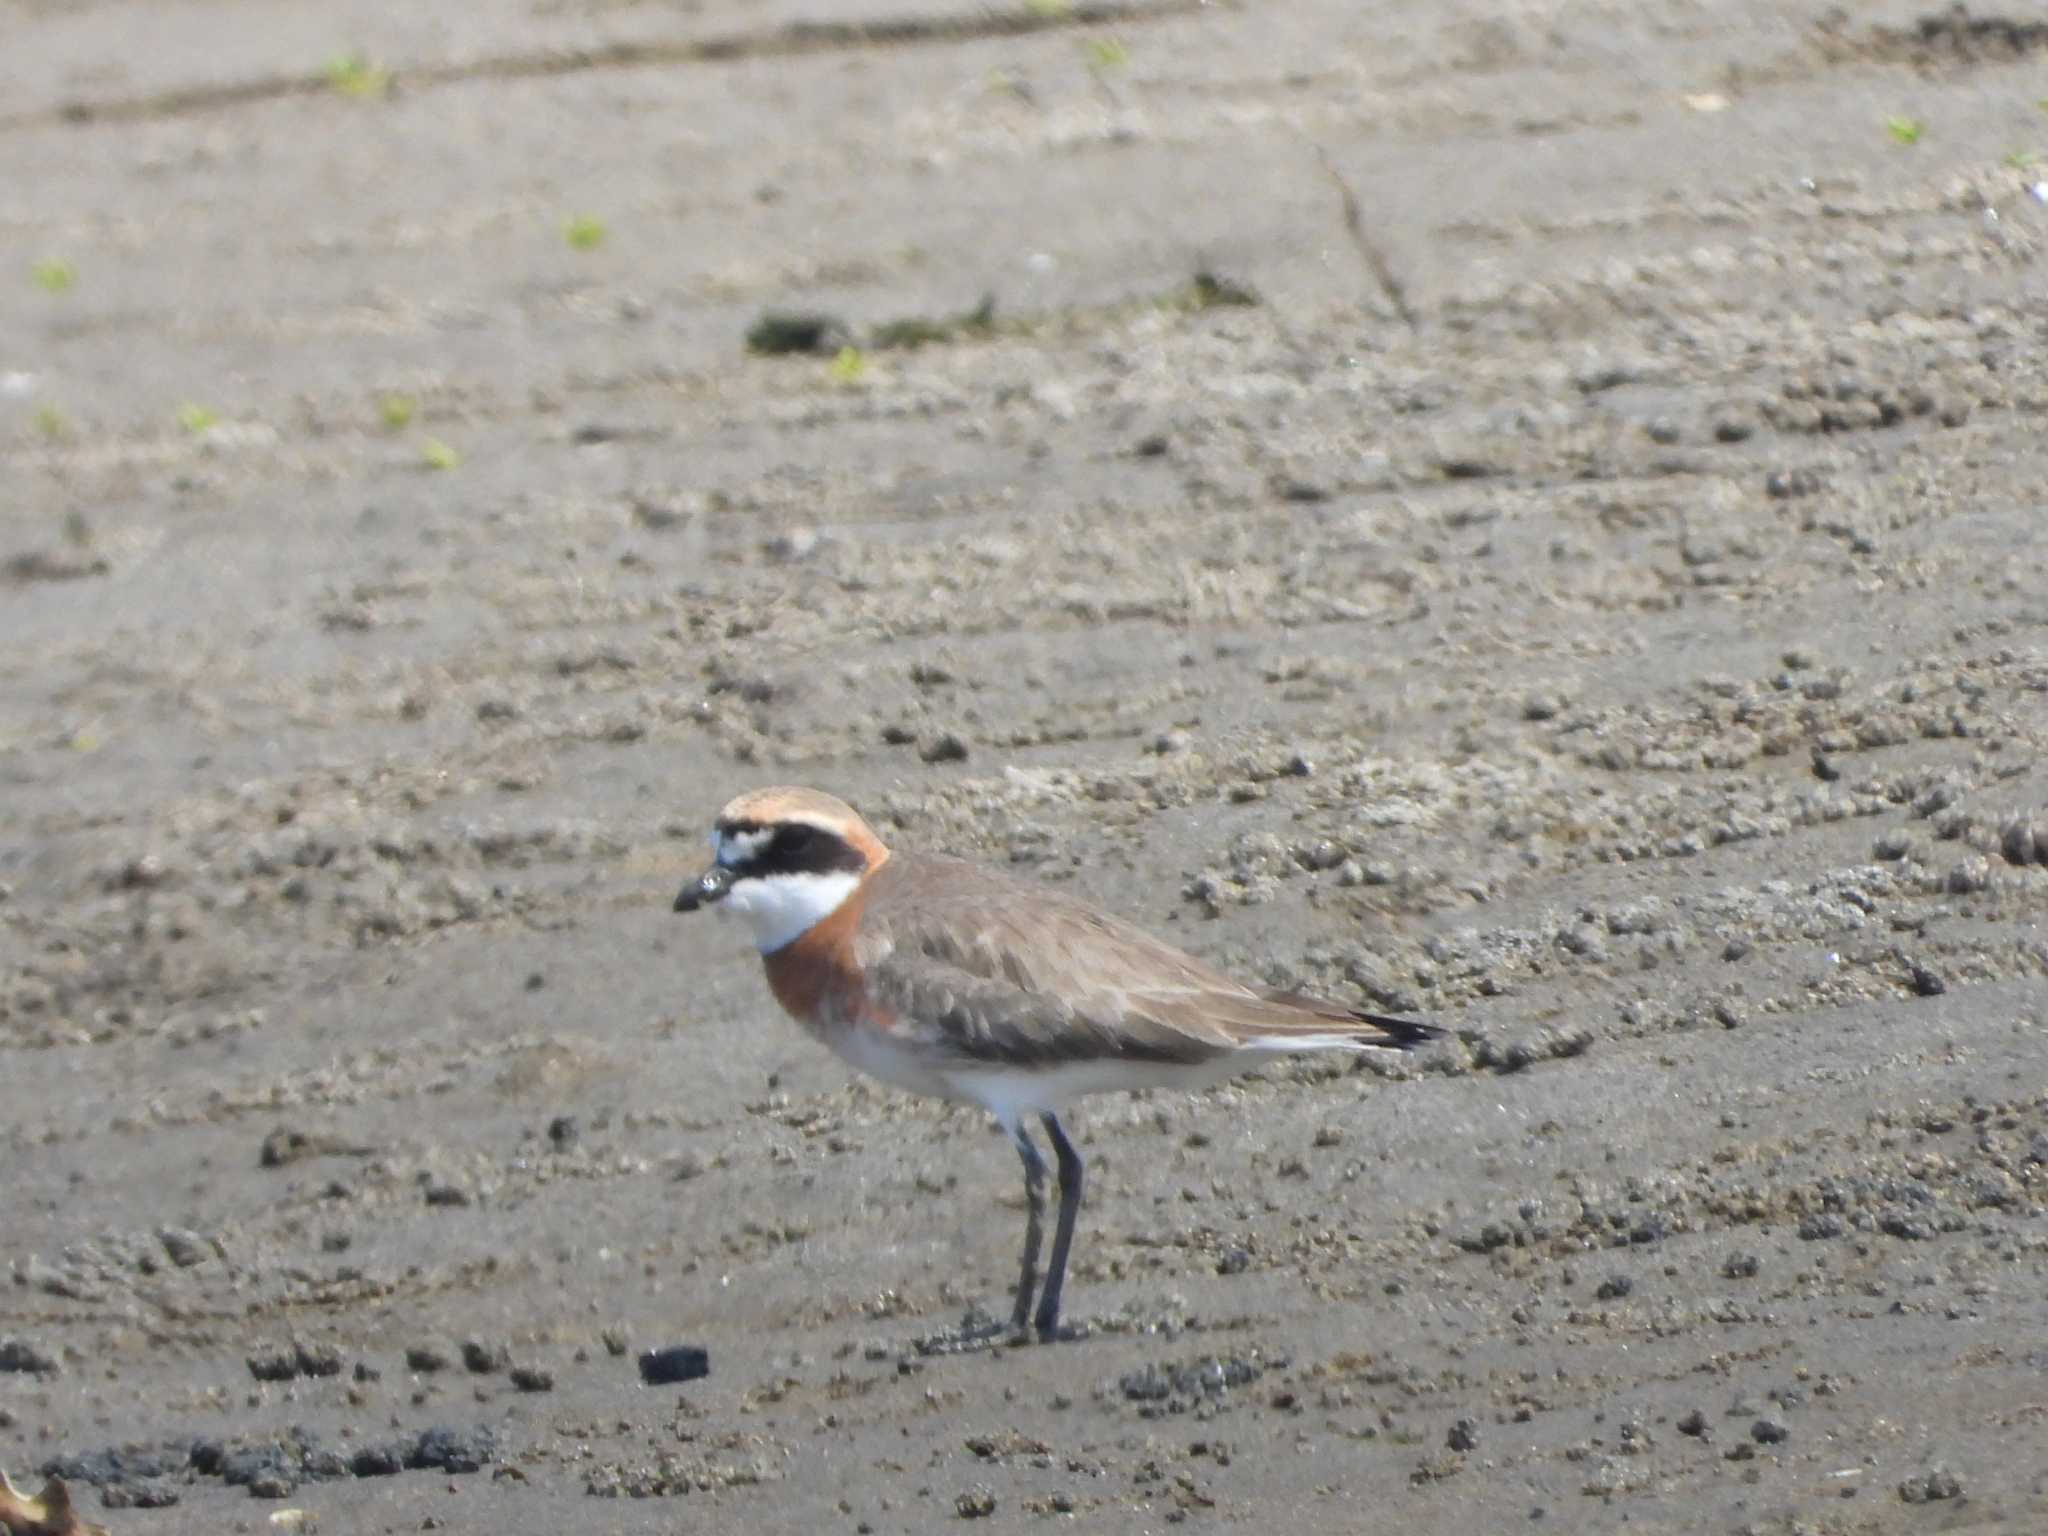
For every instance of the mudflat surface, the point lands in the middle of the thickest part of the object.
(1590, 596)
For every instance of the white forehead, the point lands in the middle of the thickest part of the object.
(737, 847)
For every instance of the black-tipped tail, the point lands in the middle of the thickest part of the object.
(1402, 1034)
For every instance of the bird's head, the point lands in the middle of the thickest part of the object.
(785, 860)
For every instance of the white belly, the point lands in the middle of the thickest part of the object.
(1012, 1094)
(888, 1061)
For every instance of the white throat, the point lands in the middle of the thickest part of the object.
(783, 908)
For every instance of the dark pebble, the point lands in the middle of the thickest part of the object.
(20, 1355)
(130, 1464)
(1937, 1484)
(1741, 1266)
(453, 1450)
(1769, 1432)
(273, 1365)
(1147, 1385)
(778, 332)
(184, 1249)
(1820, 1226)
(245, 1464)
(1209, 1377)
(425, 1358)
(679, 1362)
(533, 1378)
(139, 1495)
(1927, 983)
(284, 1145)
(1788, 484)
(1908, 1228)
(1489, 1237)
(1464, 1436)
(297, 1359)
(563, 1132)
(386, 1460)
(948, 747)
(975, 1504)
(1614, 1287)
(1694, 1424)
(1233, 1261)
(485, 1358)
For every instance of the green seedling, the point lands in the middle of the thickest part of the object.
(1050, 10)
(917, 331)
(396, 411)
(1010, 83)
(2022, 159)
(848, 366)
(436, 454)
(54, 275)
(52, 424)
(197, 418)
(584, 233)
(1106, 54)
(1207, 290)
(1905, 130)
(354, 76)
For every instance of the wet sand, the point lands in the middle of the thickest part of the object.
(1589, 597)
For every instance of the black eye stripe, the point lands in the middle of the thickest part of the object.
(797, 848)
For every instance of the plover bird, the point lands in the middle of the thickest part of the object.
(950, 979)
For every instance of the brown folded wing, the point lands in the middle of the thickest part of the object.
(995, 970)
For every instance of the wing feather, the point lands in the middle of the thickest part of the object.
(995, 970)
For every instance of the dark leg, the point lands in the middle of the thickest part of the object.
(1034, 1224)
(977, 1329)
(1048, 1319)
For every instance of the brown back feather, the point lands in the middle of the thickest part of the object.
(998, 969)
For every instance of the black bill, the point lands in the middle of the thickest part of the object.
(711, 886)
